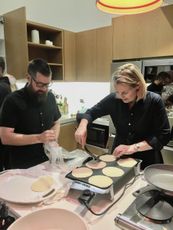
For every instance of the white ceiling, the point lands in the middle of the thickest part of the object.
(73, 15)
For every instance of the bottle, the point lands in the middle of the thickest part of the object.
(60, 103)
(82, 108)
(65, 106)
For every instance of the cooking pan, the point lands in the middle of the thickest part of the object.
(161, 177)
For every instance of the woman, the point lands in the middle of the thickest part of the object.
(140, 119)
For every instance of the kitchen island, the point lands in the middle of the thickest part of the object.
(99, 204)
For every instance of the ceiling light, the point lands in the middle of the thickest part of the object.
(128, 6)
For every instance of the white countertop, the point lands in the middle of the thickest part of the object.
(71, 203)
(68, 119)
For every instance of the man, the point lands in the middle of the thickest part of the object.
(4, 91)
(162, 79)
(4, 82)
(29, 118)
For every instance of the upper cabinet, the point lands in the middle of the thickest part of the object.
(143, 35)
(86, 55)
(69, 56)
(22, 45)
(16, 42)
(103, 53)
(94, 54)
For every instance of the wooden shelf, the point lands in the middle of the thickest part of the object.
(43, 46)
(20, 48)
(53, 54)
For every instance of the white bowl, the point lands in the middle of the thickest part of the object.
(50, 219)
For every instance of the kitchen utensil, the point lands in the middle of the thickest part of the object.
(160, 176)
(95, 158)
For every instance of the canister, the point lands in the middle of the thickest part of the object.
(35, 36)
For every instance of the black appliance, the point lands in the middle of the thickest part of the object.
(97, 135)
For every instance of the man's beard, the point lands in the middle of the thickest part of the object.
(38, 97)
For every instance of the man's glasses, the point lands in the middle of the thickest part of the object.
(40, 84)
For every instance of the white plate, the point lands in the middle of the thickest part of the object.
(50, 219)
(17, 189)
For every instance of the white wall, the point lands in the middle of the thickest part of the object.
(72, 15)
(74, 91)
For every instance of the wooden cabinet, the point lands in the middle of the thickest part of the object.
(16, 42)
(69, 56)
(103, 53)
(86, 55)
(53, 54)
(66, 137)
(143, 35)
(94, 54)
(20, 48)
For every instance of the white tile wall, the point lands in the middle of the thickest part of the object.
(90, 92)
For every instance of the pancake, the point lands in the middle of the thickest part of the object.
(112, 172)
(96, 164)
(82, 172)
(42, 184)
(107, 158)
(100, 181)
(127, 162)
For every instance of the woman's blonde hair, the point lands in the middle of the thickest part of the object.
(132, 76)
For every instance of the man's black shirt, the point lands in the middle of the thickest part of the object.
(28, 117)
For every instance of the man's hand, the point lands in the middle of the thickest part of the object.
(47, 136)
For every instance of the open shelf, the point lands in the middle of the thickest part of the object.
(53, 54)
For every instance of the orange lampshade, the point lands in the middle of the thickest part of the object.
(128, 6)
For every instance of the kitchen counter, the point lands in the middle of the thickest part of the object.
(69, 119)
(100, 203)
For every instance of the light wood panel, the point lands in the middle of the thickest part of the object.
(66, 138)
(143, 35)
(104, 53)
(94, 54)
(69, 56)
(16, 42)
(86, 55)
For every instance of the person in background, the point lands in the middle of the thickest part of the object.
(5, 89)
(162, 79)
(169, 101)
(29, 118)
(168, 89)
(4, 82)
(139, 117)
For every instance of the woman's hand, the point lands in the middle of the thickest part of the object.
(124, 150)
(81, 132)
(81, 135)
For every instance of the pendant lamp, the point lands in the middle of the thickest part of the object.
(128, 6)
